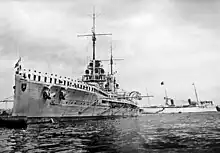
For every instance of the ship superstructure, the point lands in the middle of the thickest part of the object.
(38, 94)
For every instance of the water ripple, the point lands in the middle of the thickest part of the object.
(192, 132)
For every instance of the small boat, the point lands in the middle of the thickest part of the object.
(13, 122)
(218, 108)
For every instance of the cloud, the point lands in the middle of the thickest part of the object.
(203, 14)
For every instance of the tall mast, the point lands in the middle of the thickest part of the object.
(196, 92)
(111, 61)
(148, 98)
(166, 97)
(94, 34)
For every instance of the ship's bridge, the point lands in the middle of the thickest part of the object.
(94, 72)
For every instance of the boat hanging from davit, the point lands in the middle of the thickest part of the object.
(96, 94)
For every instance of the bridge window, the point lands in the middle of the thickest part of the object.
(29, 76)
(55, 80)
(34, 77)
(50, 80)
(45, 79)
(64, 82)
(38, 78)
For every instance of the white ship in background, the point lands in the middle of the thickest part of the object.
(171, 107)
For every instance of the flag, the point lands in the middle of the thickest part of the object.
(162, 83)
(18, 62)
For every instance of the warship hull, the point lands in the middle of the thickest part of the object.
(30, 101)
(155, 110)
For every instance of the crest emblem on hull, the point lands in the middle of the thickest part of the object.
(23, 86)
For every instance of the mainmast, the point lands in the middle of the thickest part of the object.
(111, 61)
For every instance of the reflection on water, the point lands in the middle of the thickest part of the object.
(190, 132)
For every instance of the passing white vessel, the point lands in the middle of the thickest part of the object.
(170, 107)
(203, 106)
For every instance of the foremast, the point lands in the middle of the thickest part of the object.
(94, 72)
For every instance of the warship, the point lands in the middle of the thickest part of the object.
(95, 94)
(171, 107)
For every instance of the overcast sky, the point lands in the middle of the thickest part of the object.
(175, 41)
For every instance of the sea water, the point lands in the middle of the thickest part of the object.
(186, 132)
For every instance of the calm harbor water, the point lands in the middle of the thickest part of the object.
(186, 132)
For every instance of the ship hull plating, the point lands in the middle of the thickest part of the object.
(30, 101)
